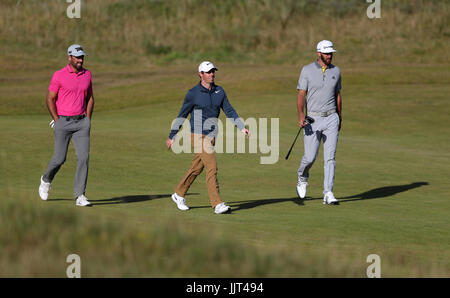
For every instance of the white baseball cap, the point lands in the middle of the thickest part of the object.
(325, 46)
(206, 66)
(75, 50)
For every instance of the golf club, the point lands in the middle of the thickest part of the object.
(308, 120)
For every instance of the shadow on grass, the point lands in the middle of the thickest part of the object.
(129, 199)
(132, 199)
(376, 193)
(256, 203)
(124, 199)
(383, 192)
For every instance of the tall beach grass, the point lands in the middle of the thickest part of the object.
(251, 30)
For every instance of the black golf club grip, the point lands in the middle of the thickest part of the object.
(309, 120)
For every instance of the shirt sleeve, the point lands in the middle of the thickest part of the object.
(54, 84)
(302, 81)
(231, 113)
(338, 85)
(186, 108)
(89, 93)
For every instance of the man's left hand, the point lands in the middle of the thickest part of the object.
(246, 132)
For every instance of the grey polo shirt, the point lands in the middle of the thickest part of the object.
(321, 87)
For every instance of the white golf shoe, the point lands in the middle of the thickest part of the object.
(180, 201)
(82, 201)
(44, 188)
(330, 199)
(221, 208)
(301, 189)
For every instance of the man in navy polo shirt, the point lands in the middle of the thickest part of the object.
(204, 102)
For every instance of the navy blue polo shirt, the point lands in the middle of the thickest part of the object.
(204, 106)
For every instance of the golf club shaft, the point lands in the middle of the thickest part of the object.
(293, 143)
(308, 120)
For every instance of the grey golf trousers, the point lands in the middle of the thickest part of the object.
(79, 132)
(326, 129)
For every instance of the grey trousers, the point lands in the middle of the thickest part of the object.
(326, 129)
(79, 132)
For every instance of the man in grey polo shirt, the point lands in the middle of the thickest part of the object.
(319, 97)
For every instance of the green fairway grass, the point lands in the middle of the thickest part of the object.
(391, 178)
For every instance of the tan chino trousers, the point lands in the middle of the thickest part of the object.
(204, 157)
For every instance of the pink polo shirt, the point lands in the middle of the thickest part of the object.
(72, 89)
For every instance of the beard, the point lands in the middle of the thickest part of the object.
(325, 60)
(76, 65)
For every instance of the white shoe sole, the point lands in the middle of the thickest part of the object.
(331, 203)
(83, 204)
(223, 211)
(181, 207)
(43, 198)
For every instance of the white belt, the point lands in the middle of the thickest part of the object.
(322, 114)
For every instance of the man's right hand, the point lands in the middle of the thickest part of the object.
(169, 143)
(301, 120)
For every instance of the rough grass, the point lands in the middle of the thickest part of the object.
(37, 237)
(254, 30)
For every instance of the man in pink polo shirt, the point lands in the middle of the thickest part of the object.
(70, 102)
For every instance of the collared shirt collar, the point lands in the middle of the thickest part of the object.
(317, 64)
(320, 66)
(69, 69)
(202, 88)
